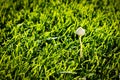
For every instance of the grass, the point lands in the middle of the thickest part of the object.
(38, 40)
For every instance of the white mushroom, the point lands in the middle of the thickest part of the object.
(80, 31)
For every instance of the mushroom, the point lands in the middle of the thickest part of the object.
(80, 32)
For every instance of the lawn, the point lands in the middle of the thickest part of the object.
(38, 40)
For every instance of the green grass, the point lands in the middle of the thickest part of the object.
(38, 40)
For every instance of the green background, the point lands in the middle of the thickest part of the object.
(38, 40)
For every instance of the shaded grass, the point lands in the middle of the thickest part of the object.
(38, 39)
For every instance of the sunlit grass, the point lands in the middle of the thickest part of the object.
(38, 39)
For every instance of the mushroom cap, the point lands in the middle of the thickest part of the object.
(80, 31)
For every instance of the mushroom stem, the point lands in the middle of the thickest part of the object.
(81, 54)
